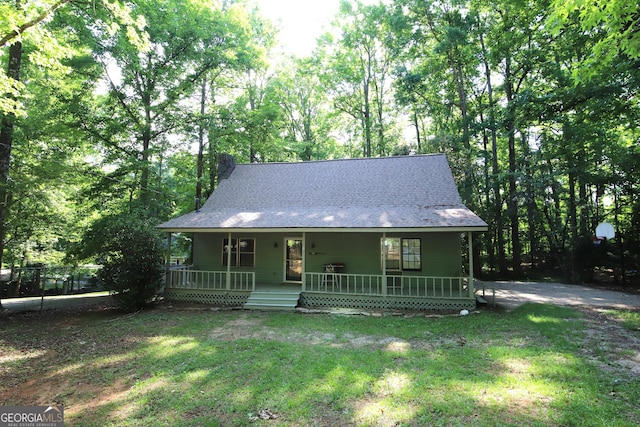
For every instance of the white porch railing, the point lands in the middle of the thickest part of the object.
(329, 283)
(341, 283)
(363, 284)
(428, 286)
(184, 278)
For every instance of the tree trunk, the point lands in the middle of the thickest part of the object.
(200, 166)
(382, 150)
(458, 76)
(512, 202)
(495, 169)
(584, 201)
(573, 224)
(457, 71)
(552, 214)
(530, 197)
(512, 205)
(212, 152)
(416, 123)
(145, 153)
(6, 141)
(367, 118)
(491, 250)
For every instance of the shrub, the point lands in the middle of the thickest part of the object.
(129, 249)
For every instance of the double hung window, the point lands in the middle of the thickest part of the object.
(402, 254)
(243, 252)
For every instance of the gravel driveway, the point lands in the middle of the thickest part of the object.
(513, 294)
(55, 301)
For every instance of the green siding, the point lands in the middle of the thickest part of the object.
(270, 259)
(360, 252)
(207, 250)
(442, 254)
(207, 254)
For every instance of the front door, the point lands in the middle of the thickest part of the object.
(293, 260)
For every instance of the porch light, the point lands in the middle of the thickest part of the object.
(275, 244)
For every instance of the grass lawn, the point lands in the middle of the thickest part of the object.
(538, 365)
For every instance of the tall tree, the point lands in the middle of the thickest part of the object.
(307, 118)
(145, 106)
(513, 46)
(6, 143)
(33, 37)
(358, 73)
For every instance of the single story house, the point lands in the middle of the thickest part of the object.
(365, 233)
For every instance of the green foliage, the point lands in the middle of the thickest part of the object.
(49, 29)
(491, 84)
(145, 115)
(355, 68)
(43, 42)
(614, 24)
(130, 251)
(114, 99)
(43, 211)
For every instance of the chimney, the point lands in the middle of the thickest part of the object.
(226, 165)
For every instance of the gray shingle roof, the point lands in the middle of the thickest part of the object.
(385, 192)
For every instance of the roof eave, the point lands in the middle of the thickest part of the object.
(439, 229)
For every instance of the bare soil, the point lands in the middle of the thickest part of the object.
(609, 344)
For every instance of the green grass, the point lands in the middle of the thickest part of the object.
(180, 367)
(629, 319)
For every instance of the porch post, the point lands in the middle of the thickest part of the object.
(470, 239)
(167, 271)
(304, 261)
(383, 250)
(229, 248)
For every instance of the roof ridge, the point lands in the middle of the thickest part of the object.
(299, 162)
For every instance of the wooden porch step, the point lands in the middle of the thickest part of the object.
(273, 300)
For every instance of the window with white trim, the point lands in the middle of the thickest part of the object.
(402, 254)
(243, 252)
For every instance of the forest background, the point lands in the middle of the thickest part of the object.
(112, 108)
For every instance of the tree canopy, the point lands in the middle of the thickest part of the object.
(110, 108)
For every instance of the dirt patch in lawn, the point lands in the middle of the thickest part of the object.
(609, 344)
(253, 328)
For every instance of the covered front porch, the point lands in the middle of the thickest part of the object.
(409, 275)
(325, 289)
